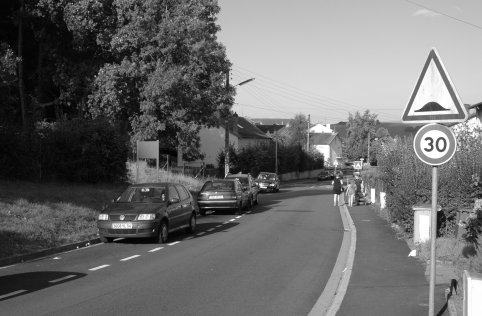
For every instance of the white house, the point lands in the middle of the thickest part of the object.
(328, 144)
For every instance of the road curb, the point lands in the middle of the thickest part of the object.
(47, 252)
(332, 296)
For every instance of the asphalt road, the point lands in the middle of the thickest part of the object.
(274, 260)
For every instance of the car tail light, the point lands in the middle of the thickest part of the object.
(202, 196)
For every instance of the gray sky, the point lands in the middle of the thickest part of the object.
(328, 58)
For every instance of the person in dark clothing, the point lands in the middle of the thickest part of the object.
(337, 189)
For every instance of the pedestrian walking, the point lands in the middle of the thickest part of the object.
(350, 192)
(337, 189)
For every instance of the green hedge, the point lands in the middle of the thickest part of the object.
(77, 150)
(259, 158)
(408, 181)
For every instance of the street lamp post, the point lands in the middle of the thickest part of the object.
(226, 122)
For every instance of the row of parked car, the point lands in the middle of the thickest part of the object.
(154, 210)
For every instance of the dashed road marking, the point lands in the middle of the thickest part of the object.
(187, 238)
(200, 234)
(238, 216)
(232, 219)
(219, 226)
(99, 267)
(210, 229)
(70, 276)
(225, 223)
(173, 243)
(12, 294)
(156, 249)
(129, 258)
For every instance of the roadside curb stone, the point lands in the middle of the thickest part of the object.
(47, 252)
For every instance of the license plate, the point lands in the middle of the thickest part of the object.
(215, 197)
(122, 225)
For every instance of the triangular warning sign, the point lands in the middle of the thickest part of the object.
(434, 99)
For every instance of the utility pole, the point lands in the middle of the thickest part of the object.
(226, 135)
(308, 135)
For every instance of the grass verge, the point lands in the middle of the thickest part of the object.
(39, 216)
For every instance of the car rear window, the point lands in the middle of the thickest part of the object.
(218, 185)
(143, 195)
(243, 180)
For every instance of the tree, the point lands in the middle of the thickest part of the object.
(166, 77)
(360, 131)
(297, 129)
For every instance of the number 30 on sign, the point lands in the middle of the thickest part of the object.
(435, 144)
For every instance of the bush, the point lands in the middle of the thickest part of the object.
(76, 150)
(407, 181)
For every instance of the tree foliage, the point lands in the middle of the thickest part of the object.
(154, 68)
(297, 129)
(361, 129)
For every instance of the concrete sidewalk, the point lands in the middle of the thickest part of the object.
(384, 280)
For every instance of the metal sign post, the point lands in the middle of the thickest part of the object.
(434, 100)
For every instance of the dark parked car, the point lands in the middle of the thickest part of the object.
(325, 175)
(248, 182)
(268, 181)
(149, 210)
(227, 194)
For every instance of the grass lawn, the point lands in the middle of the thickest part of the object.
(38, 216)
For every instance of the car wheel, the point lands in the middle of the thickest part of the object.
(192, 224)
(106, 240)
(163, 233)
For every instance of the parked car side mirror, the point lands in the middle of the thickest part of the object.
(174, 200)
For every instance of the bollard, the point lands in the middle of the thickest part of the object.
(373, 197)
(472, 293)
(382, 200)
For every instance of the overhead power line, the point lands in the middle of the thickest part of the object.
(445, 14)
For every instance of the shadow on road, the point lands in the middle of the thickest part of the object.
(23, 283)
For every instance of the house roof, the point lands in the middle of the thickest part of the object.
(248, 130)
(322, 138)
(269, 128)
(271, 121)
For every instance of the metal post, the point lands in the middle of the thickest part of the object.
(226, 136)
(308, 135)
(276, 155)
(433, 236)
(137, 161)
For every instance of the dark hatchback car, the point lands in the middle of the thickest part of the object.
(325, 175)
(223, 195)
(247, 181)
(149, 210)
(268, 181)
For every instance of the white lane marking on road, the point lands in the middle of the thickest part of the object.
(248, 212)
(239, 216)
(210, 229)
(156, 249)
(219, 226)
(173, 243)
(129, 258)
(70, 276)
(117, 239)
(187, 238)
(12, 294)
(99, 267)
(225, 223)
(200, 234)
(232, 219)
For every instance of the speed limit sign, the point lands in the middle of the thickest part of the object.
(435, 144)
